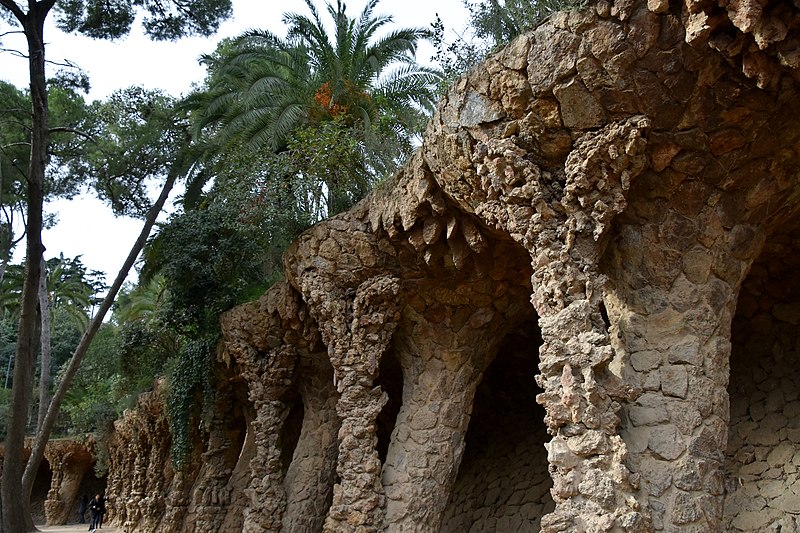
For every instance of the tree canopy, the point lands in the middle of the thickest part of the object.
(263, 87)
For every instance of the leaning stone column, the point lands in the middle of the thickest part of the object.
(311, 475)
(69, 462)
(267, 390)
(440, 373)
(357, 335)
(593, 489)
(678, 353)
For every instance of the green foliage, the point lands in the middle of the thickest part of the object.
(14, 153)
(130, 142)
(65, 338)
(145, 347)
(94, 399)
(262, 88)
(163, 19)
(207, 260)
(190, 379)
(228, 251)
(72, 288)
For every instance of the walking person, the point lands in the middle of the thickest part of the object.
(102, 511)
(83, 505)
(95, 513)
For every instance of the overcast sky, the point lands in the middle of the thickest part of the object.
(86, 227)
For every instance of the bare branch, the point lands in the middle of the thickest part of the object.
(13, 51)
(67, 63)
(11, 145)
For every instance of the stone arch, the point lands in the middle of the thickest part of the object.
(39, 493)
(762, 461)
(503, 482)
(90, 485)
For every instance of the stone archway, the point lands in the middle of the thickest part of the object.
(503, 483)
(762, 462)
(39, 493)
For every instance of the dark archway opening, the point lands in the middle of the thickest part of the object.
(762, 461)
(390, 379)
(41, 486)
(91, 484)
(503, 484)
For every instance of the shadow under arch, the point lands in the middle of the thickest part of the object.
(762, 461)
(503, 482)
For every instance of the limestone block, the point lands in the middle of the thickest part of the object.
(752, 520)
(645, 360)
(674, 380)
(579, 108)
(686, 351)
(651, 410)
(789, 501)
(781, 454)
(667, 442)
(686, 509)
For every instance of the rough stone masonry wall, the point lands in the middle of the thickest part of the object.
(70, 462)
(503, 483)
(614, 174)
(762, 463)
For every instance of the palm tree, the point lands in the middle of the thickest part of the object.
(67, 286)
(262, 88)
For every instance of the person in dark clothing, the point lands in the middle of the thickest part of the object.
(83, 504)
(102, 511)
(95, 512)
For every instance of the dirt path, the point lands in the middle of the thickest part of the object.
(75, 528)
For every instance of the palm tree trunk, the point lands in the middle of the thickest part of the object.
(42, 436)
(44, 361)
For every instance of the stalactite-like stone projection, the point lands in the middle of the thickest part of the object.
(603, 217)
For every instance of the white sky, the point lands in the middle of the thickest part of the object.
(86, 227)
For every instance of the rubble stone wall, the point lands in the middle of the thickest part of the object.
(503, 483)
(762, 463)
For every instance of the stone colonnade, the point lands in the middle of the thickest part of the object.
(614, 175)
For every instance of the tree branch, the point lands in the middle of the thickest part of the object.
(13, 32)
(67, 129)
(47, 5)
(14, 8)
(13, 51)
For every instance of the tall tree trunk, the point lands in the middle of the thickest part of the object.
(43, 435)
(44, 360)
(16, 507)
